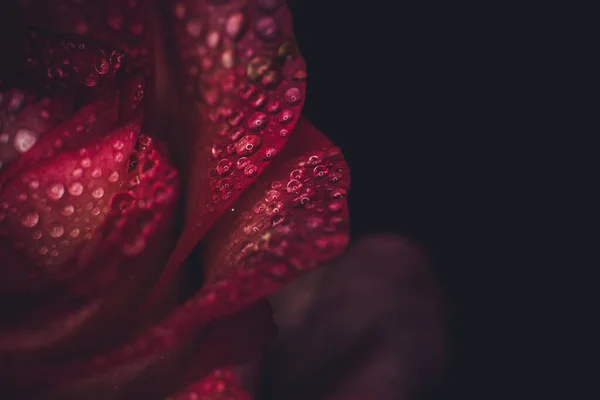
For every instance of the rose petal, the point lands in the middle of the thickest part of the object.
(117, 266)
(245, 79)
(295, 244)
(296, 213)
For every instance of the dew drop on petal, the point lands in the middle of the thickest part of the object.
(293, 96)
(75, 189)
(96, 172)
(113, 177)
(56, 230)
(68, 210)
(24, 140)
(30, 219)
(55, 191)
(98, 192)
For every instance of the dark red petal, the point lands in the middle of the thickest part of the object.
(311, 231)
(246, 81)
(126, 25)
(116, 266)
(219, 384)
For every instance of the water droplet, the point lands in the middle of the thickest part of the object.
(248, 145)
(259, 207)
(258, 121)
(268, 153)
(217, 151)
(179, 10)
(55, 190)
(24, 140)
(43, 250)
(234, 25)
(37, 235)
(338, 193)
(284, 132)
(293, 96)
(17, 101)
(119, 157)
(56, 230)
(212, 40)
(297, 174)
(68, 210)
(113, 176)
(259, 101)
(293, 186)
(98, 192)
(86, 163)
(285, 116)
(102, 66)
(320, 171)
(53, 253)
(194, 28)
(74, 232)
(96, 172)
(274, 107)
(77, 173)
(118, 145)
(92, 79)
(267, 28)
(250, 170)
(335, 206)
(34, 184)
(272, 195)
(242, 162)
(257, 67)
(223, 167)
(276, 185)
(75, 189)
(30, 219)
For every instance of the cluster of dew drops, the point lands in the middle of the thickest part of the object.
(316, 184)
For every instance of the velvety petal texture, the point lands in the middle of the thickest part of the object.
(104, 105)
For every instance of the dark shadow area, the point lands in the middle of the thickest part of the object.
(402, 90)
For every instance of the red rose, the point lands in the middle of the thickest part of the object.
(134, 132)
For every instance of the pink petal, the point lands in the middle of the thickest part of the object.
(245, 81)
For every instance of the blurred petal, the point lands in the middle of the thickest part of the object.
(244, 81)
(218, 384)
(369, 325)
(126, 25)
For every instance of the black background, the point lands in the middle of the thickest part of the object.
(416, 98)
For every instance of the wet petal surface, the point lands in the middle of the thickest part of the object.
(245, 81)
